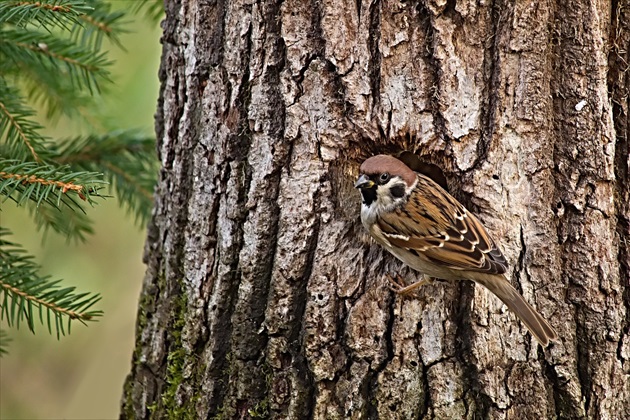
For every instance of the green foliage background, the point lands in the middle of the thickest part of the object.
(81, 376)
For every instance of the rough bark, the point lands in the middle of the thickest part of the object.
(264, 297)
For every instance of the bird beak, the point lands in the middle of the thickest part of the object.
(363, 182)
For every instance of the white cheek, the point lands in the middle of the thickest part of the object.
(383, 199)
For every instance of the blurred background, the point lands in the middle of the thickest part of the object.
(81, 375)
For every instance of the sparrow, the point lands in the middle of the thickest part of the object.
(426, 228)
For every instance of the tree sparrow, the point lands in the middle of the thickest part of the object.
(426, 228)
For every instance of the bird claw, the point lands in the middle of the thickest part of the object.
(396, 282)
(398, 285)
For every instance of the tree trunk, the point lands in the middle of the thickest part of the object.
(264, 297)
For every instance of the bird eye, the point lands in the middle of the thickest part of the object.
(384, 177)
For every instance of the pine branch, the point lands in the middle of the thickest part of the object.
(17, 129)
(47, 14)
(64, 220)
(22, 181)
(127, 160)
(86, 25)
(152, 9)
(26, 295)
(55, 94)
(55, 182)
(100, 21)
(85, 67)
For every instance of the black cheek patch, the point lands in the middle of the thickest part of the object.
(369, 195)
(397, 191)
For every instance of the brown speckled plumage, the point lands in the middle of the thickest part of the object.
(469, 247)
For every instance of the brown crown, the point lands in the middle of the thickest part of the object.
(383, 163)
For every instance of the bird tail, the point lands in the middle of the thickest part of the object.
(534, 322)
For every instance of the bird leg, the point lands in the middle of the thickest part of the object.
(398, 285)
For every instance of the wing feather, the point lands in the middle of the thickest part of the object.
(448, 235)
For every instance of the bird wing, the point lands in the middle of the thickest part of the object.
(435, 226)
